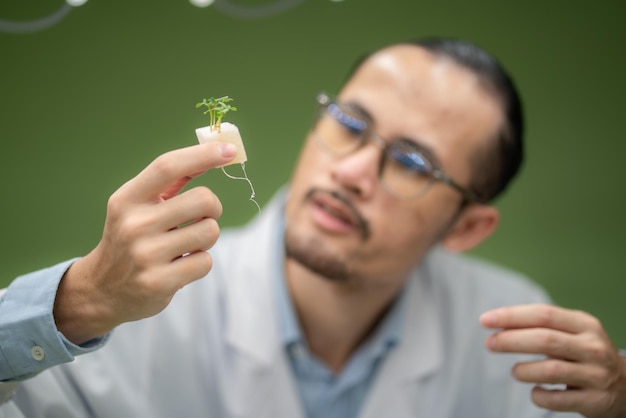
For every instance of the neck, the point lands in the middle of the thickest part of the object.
(336, 317)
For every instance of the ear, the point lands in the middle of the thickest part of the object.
(475, 223)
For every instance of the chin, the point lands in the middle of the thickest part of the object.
(316, 256)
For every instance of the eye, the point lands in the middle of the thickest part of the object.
(410, 160)
(352, 124)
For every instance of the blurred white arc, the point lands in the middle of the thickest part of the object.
(230, 8)
(10, 26)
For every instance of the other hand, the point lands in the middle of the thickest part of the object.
(579, 355)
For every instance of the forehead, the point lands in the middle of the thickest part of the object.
(412, 93)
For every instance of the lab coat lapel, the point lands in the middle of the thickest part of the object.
(268, 389)
(396, 391)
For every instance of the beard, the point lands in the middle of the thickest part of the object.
(316, 257)
(313, 253)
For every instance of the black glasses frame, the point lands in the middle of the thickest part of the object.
(325, 100)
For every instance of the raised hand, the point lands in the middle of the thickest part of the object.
(154, 242)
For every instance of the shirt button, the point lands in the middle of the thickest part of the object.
(37, 353)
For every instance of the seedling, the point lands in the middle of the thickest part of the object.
(216, 108)
(224, 132)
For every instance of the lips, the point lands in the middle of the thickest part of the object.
(336, 212)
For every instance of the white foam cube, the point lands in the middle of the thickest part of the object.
(228, 133)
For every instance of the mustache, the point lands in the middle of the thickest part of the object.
(361, 223)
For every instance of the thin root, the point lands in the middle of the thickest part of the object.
(253, 195)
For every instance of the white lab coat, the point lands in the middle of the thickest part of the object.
(216, 350)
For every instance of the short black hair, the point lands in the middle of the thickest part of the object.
(494, 168)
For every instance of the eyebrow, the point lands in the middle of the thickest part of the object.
(419, 145)
(360, 109)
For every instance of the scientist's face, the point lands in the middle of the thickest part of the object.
(342, 221)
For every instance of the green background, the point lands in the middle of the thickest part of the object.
(89, 102)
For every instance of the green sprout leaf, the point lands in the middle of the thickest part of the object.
(216, 108)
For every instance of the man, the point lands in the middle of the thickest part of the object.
(343, 299)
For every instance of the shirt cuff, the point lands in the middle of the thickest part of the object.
(29, 339)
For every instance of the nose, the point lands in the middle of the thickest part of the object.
(357, 172)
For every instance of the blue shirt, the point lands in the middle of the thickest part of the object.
(28, 312)
(323, 393)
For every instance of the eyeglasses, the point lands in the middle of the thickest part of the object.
(405, 171)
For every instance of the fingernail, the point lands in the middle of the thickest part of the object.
(228, 150)
(488, 319)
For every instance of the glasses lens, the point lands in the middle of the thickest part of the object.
(340, 129)
(405, 172)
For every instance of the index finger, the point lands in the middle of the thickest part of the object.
(167, 169)
(538, 316)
